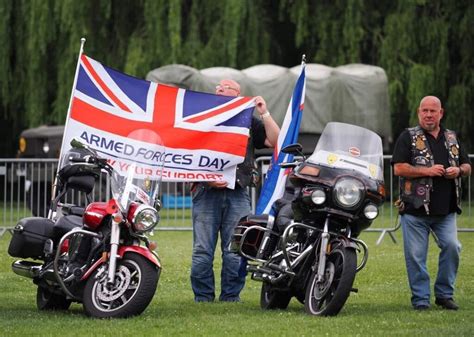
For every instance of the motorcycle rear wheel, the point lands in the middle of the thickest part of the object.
(328, 298)
(47, 300)
(136, 280)
(271, 298)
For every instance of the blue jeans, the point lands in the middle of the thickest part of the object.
(216, 211)
(416, 231)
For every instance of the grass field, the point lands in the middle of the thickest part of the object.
(381, 308)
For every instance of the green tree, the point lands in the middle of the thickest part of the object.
(424, 46)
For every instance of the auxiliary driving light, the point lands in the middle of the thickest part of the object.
(318, 197)
(371, 211)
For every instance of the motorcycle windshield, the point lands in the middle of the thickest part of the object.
(349, 146)
(139, 179)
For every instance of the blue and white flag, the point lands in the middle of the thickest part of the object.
(274, 185)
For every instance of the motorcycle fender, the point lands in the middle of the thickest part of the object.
(145, 252)
(349, 243)
(121, 252)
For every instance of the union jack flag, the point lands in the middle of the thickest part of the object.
(205, 135)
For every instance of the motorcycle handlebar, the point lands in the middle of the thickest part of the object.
(85, 159)
(289, 164)
(78, 160)
(101, 162)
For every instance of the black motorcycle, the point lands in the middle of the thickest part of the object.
(337, 193)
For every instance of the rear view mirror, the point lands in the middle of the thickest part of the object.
(294, 149)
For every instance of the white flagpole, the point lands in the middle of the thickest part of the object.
(53, 194)
(81, 50)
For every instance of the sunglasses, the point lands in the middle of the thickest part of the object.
(226, 87)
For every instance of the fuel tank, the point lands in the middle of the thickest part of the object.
(94, 214)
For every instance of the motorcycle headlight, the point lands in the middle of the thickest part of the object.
(371, 211)
(145, 219)
(348, 192)
(318, 197)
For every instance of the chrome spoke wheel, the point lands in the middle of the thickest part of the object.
(328, 296)
(134, 285)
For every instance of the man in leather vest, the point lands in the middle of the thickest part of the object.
(430, 162)
(216, 209)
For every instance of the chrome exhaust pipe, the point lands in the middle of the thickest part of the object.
(26, 268)
(267, 277)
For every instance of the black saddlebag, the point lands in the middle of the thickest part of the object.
(254, 237)
(29, 237)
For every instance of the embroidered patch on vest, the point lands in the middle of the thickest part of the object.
(421, 161)
(420, 143)
(454, 150)
(420, 190)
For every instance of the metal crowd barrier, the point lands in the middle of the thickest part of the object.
(25, 190)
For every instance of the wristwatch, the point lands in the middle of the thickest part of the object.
(266, 114)
(461, 172)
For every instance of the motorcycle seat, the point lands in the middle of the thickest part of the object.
(69, 209)
(258, 218)
(66, 224)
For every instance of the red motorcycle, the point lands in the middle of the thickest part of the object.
(99, 255)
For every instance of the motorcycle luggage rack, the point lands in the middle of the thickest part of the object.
(260, 250)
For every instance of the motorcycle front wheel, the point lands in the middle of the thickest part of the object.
(271, 298)
(327, 298)
(135, 284)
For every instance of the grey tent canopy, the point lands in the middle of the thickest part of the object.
(353, 93)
